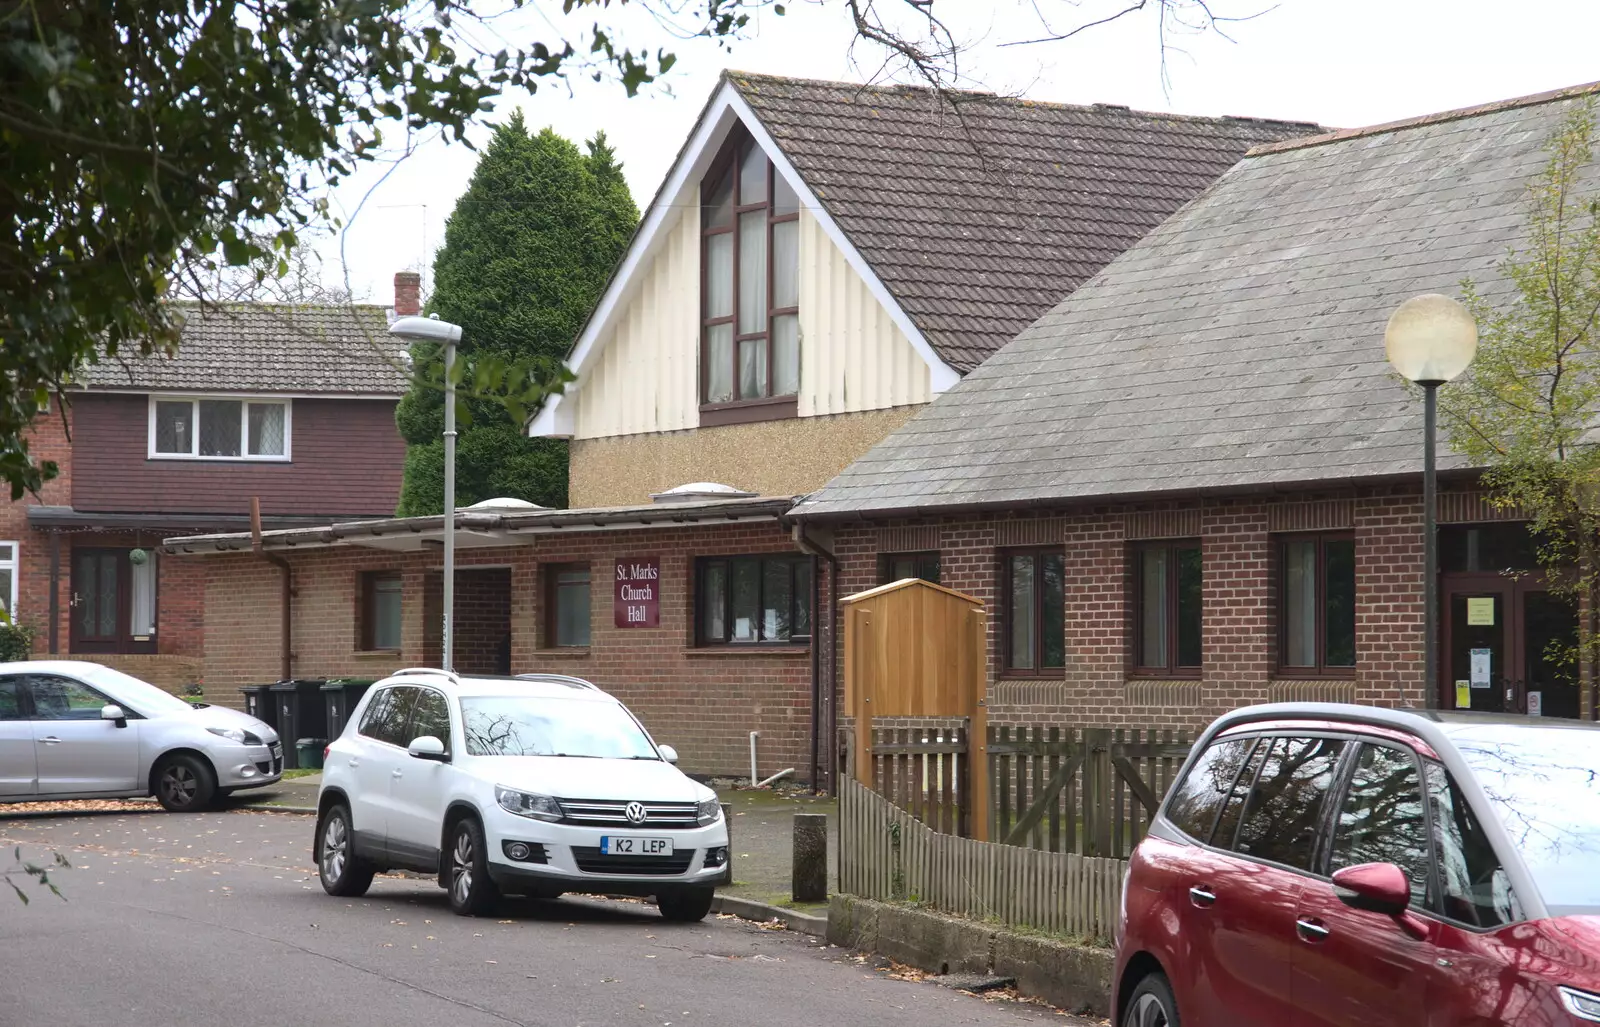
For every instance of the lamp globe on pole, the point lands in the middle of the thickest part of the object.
(1430, 340)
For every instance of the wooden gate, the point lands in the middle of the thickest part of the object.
(913, 649)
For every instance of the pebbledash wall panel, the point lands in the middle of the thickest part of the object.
(346, 460)
(703, 701)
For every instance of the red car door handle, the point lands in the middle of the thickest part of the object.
(1201, 895)
(1311, 930)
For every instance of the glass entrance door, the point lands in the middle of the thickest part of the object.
(1507, 647)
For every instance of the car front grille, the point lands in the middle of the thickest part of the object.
(612, 813)
(274, 767)
(591, 860)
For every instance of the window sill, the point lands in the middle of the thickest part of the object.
(747, 411)
(376, 654)
(564, 652)
(190, 458)
(746, 650)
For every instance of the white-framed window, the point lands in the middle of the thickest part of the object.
(220, 428)
(10, 571)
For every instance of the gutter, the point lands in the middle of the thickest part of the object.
(286, 657)
(818, 546)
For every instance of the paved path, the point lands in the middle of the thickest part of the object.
(217, 918)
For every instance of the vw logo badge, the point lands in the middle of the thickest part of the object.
(635, 812)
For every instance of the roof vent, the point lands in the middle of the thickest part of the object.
(504, 504)
(700, 492)
(1112, 107)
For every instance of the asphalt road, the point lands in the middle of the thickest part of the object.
(217, 919)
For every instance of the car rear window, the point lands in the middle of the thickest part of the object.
(1200, 795)
(1543, 783)
(1280, 817)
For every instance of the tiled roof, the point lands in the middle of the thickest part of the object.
(269, 348)
(1239, 345)
(980, 214)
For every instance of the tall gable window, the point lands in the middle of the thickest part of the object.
(750, 269)
(219, 429)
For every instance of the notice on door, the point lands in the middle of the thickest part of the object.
(1480, 612)
(1535, 704)
(1480, 667)
(637, 602)
(1463, 695)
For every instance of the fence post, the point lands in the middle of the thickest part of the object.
(975, 796)
(1099, 778)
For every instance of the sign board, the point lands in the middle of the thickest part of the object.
(1463, 695)
(637, 597)
(1535, 704)
(1480, 668)
(1480, 612)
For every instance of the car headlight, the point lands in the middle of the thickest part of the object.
(1581, 1004)
(707, 812)
(527, 804)
(236, 734)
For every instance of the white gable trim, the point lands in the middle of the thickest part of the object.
(557, 418)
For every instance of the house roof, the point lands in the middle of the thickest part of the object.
(979, 212)
(262, 347)
(1240, 344)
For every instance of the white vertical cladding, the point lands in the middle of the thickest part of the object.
(853, 356)
(646, 376)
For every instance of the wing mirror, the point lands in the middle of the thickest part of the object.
(428, 748)
(1377, 887)
(113, 712)
(668, 753)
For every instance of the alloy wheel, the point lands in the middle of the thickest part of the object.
(461, 866)
(179, 785)
(335, 845)
(1148, 1011)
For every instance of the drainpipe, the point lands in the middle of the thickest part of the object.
(817, 548)
(286, 669)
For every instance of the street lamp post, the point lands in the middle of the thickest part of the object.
(1430, 339)
(431, 329)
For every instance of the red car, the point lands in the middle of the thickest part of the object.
(1346, 866)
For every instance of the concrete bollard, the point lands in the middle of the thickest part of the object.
(810, 879)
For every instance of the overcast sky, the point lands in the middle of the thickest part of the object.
(1341, 63)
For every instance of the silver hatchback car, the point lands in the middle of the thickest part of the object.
(71, 730)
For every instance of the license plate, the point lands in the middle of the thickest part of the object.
(631, 846)
(277, 750)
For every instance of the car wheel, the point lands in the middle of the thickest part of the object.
(685, 905)
(184, 783)
(472, 893)
(343, 873)
(1151, 1004)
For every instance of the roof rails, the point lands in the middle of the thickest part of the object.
(432, 671)
(565, 679)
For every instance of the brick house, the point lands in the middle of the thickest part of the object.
(1195, 484)
(821, 261)
(291, 404)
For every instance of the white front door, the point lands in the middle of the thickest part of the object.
(75, 751)
(17, 767)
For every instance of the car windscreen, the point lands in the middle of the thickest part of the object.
(140, 696)
(524, 726)
(1544, 784)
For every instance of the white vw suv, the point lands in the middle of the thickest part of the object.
(536, 785)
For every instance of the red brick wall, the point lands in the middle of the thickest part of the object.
(47, 441)
(346, 460)
(483, 620)
(1239, 619)
(702, 701)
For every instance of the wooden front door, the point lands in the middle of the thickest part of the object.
(102, 603)
(1504, 640)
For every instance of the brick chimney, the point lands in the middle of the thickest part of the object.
(407, 293)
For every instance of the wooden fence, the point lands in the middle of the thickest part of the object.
(1088, 790)
(1092, 791)
(887, 854)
